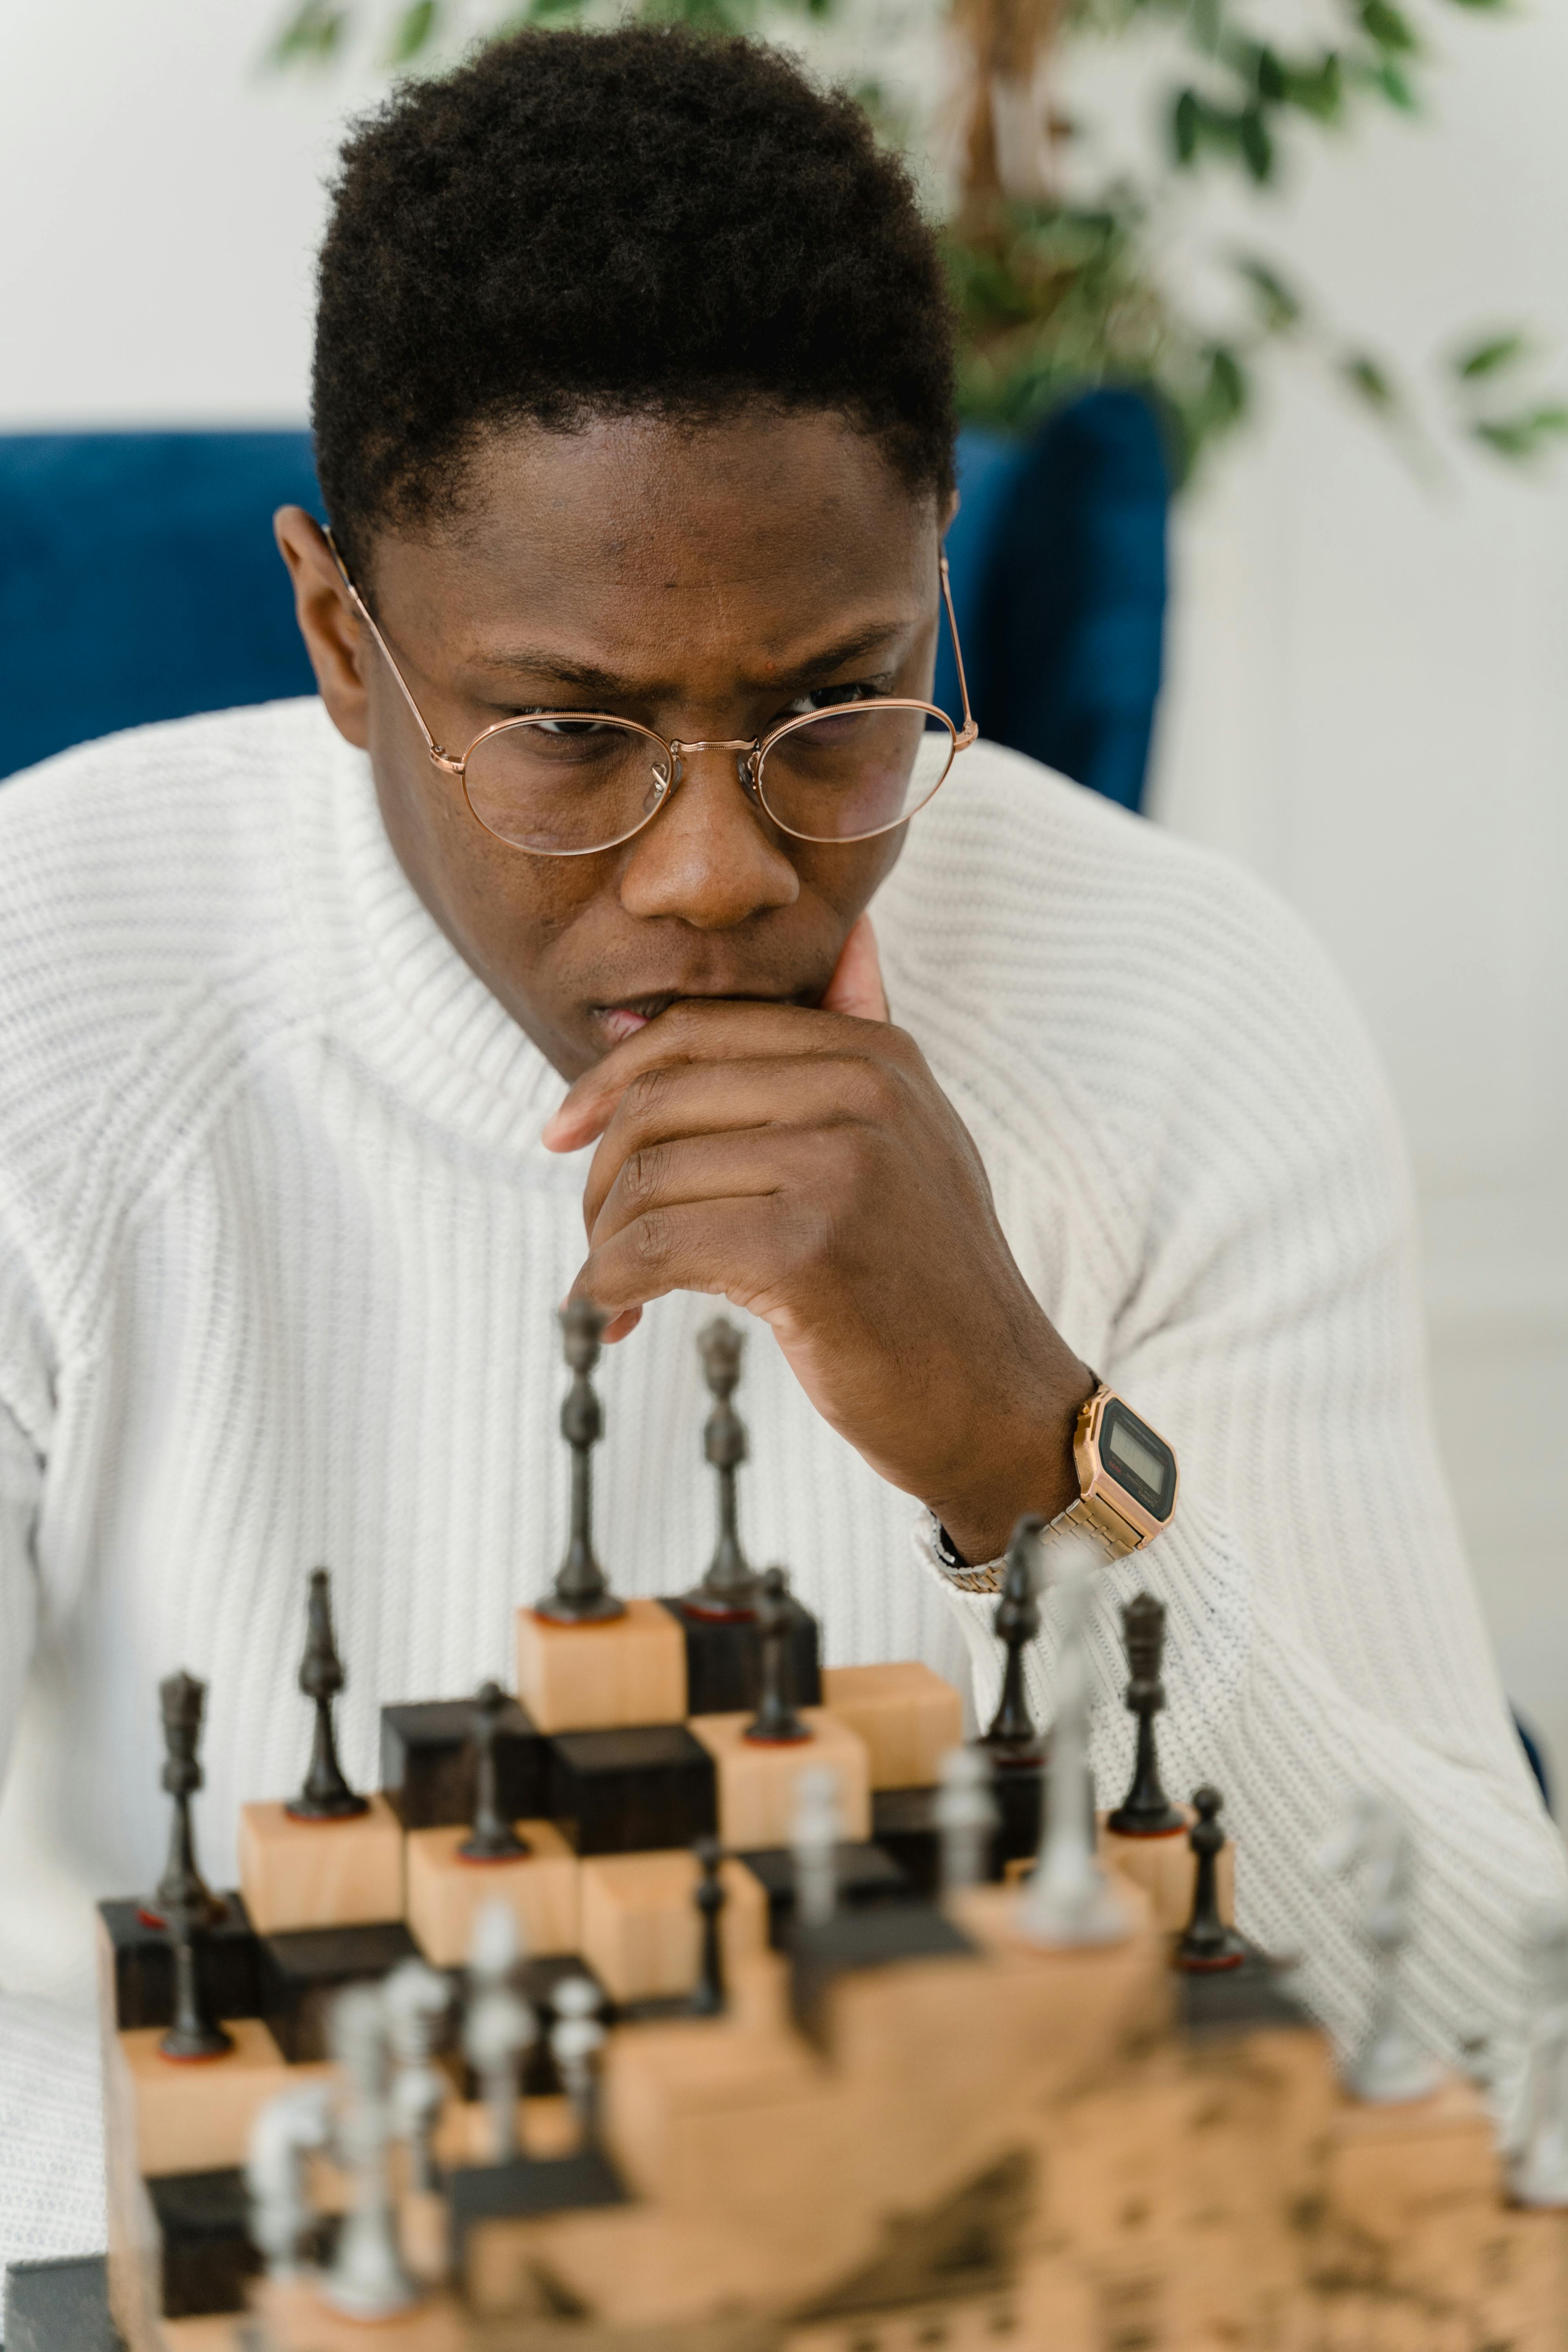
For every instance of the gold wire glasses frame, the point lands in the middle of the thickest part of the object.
(590, 781)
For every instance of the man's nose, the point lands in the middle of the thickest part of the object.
(712, 857)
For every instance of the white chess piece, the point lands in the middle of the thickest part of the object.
(1069, 1898)
(814, 1834)
(576, 2039)
(417, 2002)
(286, 2132)
(1391, 2067)
(367, 2279)
(1538, 2172)
(966, 1817)
(498, 2026)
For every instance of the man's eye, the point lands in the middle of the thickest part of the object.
(828, 697)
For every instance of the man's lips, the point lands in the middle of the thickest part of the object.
(635, 1012)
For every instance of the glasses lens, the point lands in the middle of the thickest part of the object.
(563, 786)
(853, 772)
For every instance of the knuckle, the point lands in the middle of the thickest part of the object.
(642, 1173)
(645, 1092)
(649, 1237)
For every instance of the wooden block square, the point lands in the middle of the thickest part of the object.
(645, 1790)
(909, 1717)
(757, 1783)
(195, 2115)
(601, 1677)
(446, 1894)
(640, 1929)
(1166, 1869)
(427, 1762)
(320, 1873)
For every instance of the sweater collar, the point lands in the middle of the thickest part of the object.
(398, 990)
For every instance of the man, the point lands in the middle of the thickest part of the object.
(633, 416)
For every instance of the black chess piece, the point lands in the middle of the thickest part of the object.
(1206, 1944)
(708, 1995)
(775, 1723)
(182, 1700)
(581, 1593)
(1012, 1737)
(183, 1899)
(729, 1589)
(326, 1795)
(1145, 1811)
(492, 1837)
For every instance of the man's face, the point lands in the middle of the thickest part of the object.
(709, 582)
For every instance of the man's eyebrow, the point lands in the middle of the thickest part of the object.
(588, 677)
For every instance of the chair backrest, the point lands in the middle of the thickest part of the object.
(139, 581)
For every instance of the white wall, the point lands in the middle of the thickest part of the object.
(1369, 702)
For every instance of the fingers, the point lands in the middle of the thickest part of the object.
(856, 987)
(699, 1098)
(724, 1030)
(748, 1164)
(729, 1249)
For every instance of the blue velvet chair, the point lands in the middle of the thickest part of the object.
(139, 581)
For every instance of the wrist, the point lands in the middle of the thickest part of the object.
(1034, 1470)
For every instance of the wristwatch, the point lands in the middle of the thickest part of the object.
(1127, 1490)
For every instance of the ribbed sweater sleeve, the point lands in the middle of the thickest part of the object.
(1323, 1633)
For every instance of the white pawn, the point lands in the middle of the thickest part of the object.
(966, 1817)
(367, 2279)
(417, 2002)
(1391, 2067)
(1069, 1898)
(814, 1835)
(287, 2131)
(1539, 2173)
(576, 2039)
(498, 2026)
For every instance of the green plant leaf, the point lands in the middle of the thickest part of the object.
(1524, 436)
(1368, 379)
(314, 35)
(1280, 307)
(1385, 26)
(414, 31)
(1186, 120)
(1488, 358)
(1257, 146)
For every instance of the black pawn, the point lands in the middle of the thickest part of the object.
(492, 1837)
(581, 1593)
(708, 1995)
(1145, 1811)
(729, 1589)
(1206, 1943)
(182, 1896)
(182, 1700)
(326, 1795)
(775, 1723)
(1012, 1737)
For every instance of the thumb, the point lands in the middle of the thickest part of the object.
(856, 986)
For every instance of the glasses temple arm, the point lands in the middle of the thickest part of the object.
(363, 609)
(970, 730)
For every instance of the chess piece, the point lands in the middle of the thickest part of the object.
(367, 2279)
(326, 1795)
(1206, 1944)
(287, 2132)
(580, 1594)
(1068, 1899)
(1012, 1737)
(416, 2004)
(1145, 1811)
(1538, 2172)
(815, 1836)
(966, 1817)
(498, 2026)
(492, 1837)
(775, 1723)
(1390, 2067)
(729, 1589)
(708, 1994)
(576, 2039)
(183, 1899)
(182, 1700)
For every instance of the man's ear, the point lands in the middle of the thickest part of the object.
(328, 621)
(953, 503)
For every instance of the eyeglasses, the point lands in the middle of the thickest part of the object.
(572, 784)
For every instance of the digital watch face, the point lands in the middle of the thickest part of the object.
(1137, 1459)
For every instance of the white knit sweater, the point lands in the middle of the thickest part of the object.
(279, 1256)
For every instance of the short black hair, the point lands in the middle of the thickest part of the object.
(644, 221)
